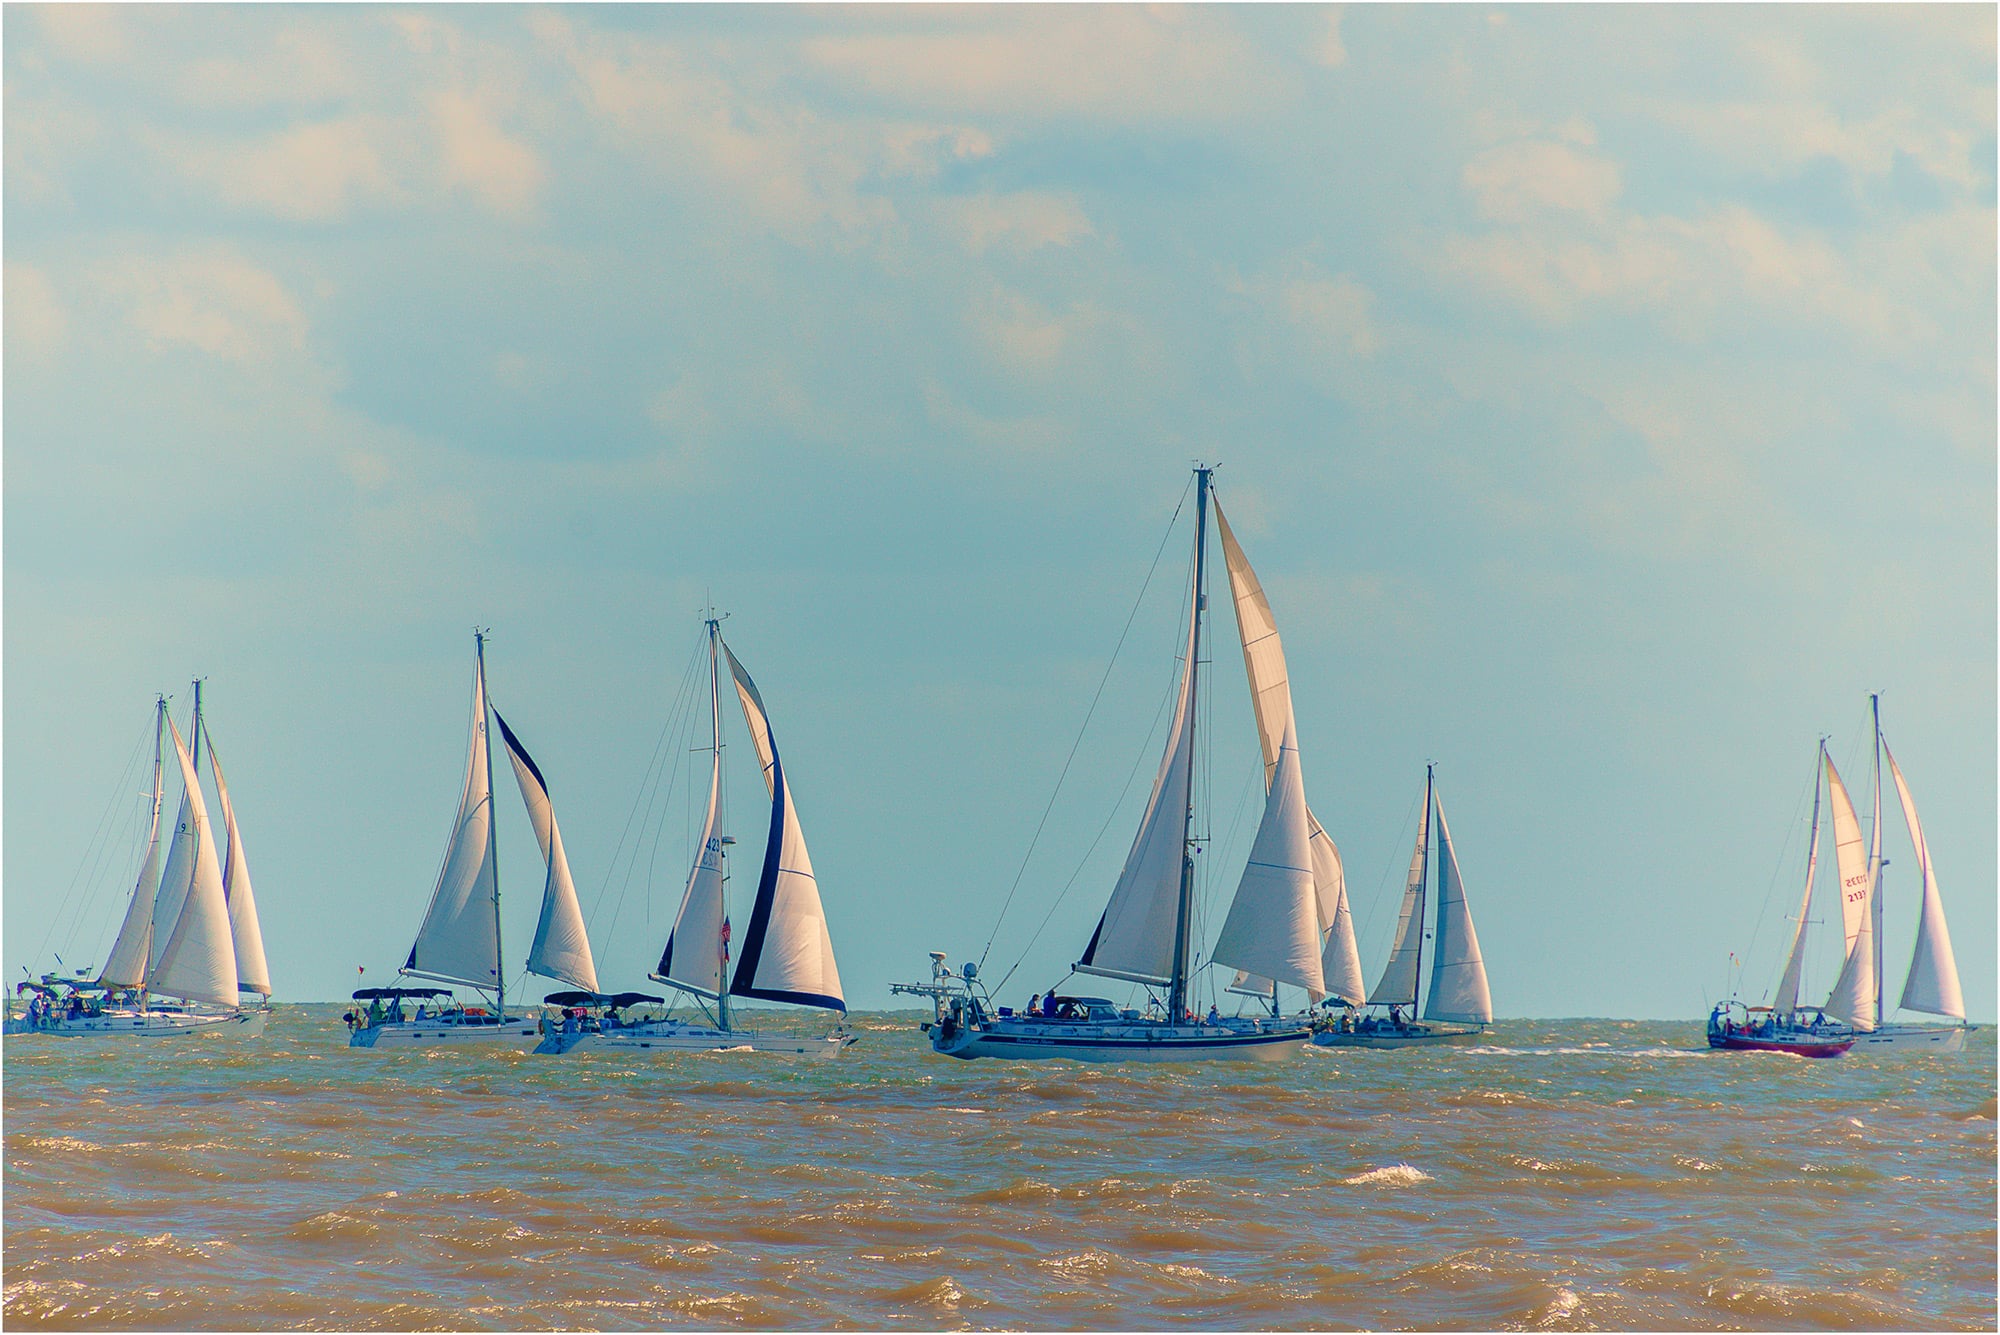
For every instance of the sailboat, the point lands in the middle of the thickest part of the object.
(1853, 1017)
(1459, 1006)
(1287, 902)
(787, 952)
(459, 941)
(190, 931)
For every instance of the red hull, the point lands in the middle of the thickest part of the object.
(1833, 1047)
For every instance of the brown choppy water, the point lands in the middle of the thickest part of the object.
(1563, 1175)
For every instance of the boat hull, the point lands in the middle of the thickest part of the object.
(1419, 1035)
(1019, 1041)
(516, 1031)
(666, 1040)
(143, 1024)
(1794, 1045)
(1913, 1038)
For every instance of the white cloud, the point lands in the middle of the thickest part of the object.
(1021, 221)
(36, 324)
(215, 301)
(1778, 138)
(317, 172)
(1512, 182)
(1332, 50)
(477, 156)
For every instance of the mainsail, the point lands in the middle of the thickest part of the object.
(1458, 973)
(1272, 927)
(1787, 1000)
(131, 952)
(787, 954)
(199, 959)
(252, 973)
(1933, 982)
(1398, 986)
(1134, 939)
(1853, 998)
(459, 941)
(694, 957)
(561, 948)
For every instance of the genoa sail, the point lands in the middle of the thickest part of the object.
(787, 952)
(199, 959)
(1398, 984)
(1787, 1000)
(131, 952)
(253, 974)
(694, 958)
(1932, 985)
(561, 948)
(1272, 928)
(459, 941)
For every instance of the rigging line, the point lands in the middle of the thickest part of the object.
(646, 789)
(1087, 715)
(1376, 901)
(1145, 749)
(1784, 856)
(93, 854)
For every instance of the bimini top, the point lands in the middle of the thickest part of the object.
(608, 1000)
(371, 993)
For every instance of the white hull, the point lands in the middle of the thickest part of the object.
(144, 1024)
(670, 1037)
(1032, 1040)
(516, 1031)
(1912, 1038)
(1421, 1034)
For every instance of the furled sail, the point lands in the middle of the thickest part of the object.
(199, 961)
(131, 952)
(561, 948)
(1853, 998)
(1787, 999)
(1134, 939)
(693, 960)
(1272, 928)
(253, 974)
(459, 941)
(1398, 985)
(1932, 986)
(787, 953)
(1458, 973)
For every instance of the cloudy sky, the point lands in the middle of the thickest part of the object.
(1606, 396)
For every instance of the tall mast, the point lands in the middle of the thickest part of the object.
(492, 832)
(714, 788)
(1875, 862)
(1423, 890)
(194, 738)
(159, 780)
(1177, 994)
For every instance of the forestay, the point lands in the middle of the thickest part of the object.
(1932, 986)
(561, 948)
(1787, 1000)
(199, 960)
(787, 953)
(131, 952)
(1134, 939)
(1272, 928)
(1458, 973)
(253, 974)
(460, 937)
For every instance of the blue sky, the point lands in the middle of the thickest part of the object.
(1606, 397)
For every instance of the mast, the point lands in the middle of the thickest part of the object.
(714, 787)
(1177, 994)
(492, 834)
(1423, 887)
(1875, 854)
(159, 780)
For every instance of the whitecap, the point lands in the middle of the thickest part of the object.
(1394, 1175)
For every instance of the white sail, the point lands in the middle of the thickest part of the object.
(1787, 999)
(131, 952)
(1247, 984)
(1340, 959)
(1134, 939)
(175, 880)
(1272, 928)
(1398, 985)
(1932, 986)
(1458, 973)
(787, 953)
(199, 961)
(1853, 997)
(460, 938)
(694, 958)
(253, 974)
(561, 949)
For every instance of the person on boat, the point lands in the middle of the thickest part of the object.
(374, 1012)
(1035, 1005)
(1049, 1008)
(1214, 1015)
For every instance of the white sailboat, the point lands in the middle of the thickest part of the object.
(189, 934)
(787, 952)
(1459, 1005)
(1286, 907)
(1854, 1016)
(459, 940)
